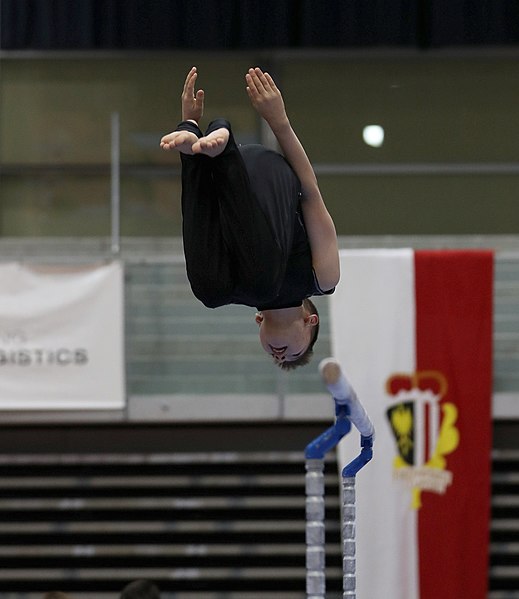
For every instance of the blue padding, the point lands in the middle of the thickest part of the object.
(361, 460)
(324, 443)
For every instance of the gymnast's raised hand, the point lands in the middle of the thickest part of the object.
(265, 97)
(192, 102)
(193, 110)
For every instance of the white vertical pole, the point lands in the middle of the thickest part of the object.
(115, 183)
(348, 538)
(315, 530)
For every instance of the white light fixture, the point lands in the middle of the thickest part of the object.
(373, 135)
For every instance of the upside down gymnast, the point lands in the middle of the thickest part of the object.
(256, 230)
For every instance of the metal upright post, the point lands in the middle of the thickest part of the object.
(115, 200)
(315, 534)
(348, 538)
(348, 411)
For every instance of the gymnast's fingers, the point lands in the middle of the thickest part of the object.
(258, 78)
(251, 82)
(270, 81)
(189, 84)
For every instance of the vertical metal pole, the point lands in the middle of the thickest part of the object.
(115, 201)
(315, 534)
(348, 538)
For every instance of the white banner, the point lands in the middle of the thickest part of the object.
(372, 315)
(61, 337)
(413, 331)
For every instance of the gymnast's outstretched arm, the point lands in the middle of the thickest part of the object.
(268, 102)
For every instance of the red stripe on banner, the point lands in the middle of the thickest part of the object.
(454, 338)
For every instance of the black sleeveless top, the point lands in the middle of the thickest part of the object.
(300, 281)
(278, 190)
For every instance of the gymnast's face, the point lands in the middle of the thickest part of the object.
(285, 342)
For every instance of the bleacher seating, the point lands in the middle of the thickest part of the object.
(201, 525)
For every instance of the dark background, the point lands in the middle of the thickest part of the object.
(239, 24)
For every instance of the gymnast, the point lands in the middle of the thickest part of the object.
(255, 228)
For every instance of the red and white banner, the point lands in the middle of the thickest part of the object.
(413, 332)
(61, 337)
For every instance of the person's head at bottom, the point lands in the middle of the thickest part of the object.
(56, 595)
(140, 589)
(289, 334)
